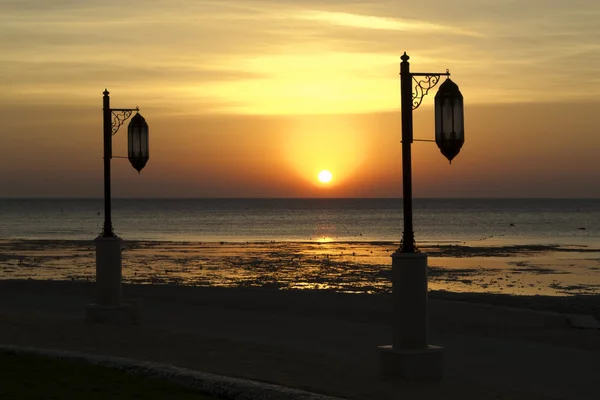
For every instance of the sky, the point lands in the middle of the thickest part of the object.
(253, 98)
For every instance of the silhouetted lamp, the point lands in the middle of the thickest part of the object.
(410, 356)
(109, 306)
(449, 119)
(137, 139)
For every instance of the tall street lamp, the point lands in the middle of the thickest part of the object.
(410, 356)
(109, 306)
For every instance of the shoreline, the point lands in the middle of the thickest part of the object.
(317, 300)
(339, 266)
(448, 244)
(423, 243)
(576, 304)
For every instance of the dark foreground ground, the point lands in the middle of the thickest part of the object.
(320, 341)
(37, 377)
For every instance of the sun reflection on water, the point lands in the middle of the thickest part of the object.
(325, 239)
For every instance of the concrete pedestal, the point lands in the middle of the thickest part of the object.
(417, 364)
(410, 356)
(109, 307)
(108, 270)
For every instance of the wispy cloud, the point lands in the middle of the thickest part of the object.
(333, 55)
(381, 23)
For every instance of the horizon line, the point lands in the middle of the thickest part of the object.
(294, 198)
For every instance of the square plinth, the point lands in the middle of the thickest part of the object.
(400, 364)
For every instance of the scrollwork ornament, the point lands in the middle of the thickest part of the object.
(422, 86)
(118, 118)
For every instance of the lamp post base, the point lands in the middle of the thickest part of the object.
(398, 364)
(109, 306)
(108, 270)
(410, 356)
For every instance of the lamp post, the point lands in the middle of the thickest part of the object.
(109, 306)
(410, 356)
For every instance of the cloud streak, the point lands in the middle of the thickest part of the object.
(381, 23)
(326, 56)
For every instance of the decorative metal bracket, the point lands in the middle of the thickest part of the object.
(119, 116)
(423, 85)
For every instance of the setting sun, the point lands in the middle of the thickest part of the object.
(325, 176)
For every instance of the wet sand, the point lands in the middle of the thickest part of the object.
(352, 267)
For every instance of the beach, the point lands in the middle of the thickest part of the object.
(319, 341)
(311, 315)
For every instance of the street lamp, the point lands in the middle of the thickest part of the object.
(410, 356)
(109, 306)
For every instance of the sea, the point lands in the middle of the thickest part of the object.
(494, 221)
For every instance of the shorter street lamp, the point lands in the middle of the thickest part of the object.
(109, 306)
(410, 356)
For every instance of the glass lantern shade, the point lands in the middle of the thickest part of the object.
(449, 119)
(137, 142)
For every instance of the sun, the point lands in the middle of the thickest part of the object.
(325, 176)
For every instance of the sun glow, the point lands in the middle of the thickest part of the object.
(325, 176)
(325, 142)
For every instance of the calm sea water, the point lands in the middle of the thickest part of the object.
(543, 221)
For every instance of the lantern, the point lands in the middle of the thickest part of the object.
(449, 119)
(137, 139)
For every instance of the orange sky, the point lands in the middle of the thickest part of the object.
(254, 98)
